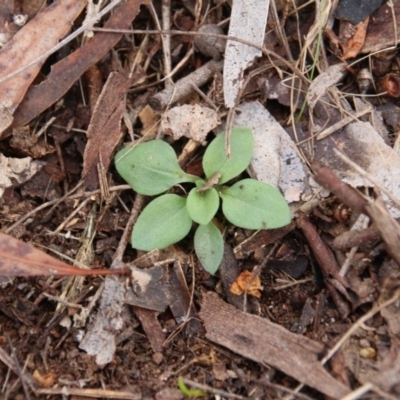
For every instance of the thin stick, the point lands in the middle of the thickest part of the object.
(137, 207)
(95, 393)
(343, 122)
(184, 86)
(72, 215)
(25, 382)
(166, 39)
(63, 302)
(294, 283)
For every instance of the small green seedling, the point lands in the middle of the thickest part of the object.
(152, 168)
(189, 392)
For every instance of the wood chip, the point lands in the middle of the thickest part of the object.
(265, 342)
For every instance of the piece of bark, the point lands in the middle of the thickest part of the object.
(152, 327)
(148, 288)
(180, 302)
(356, 11)
(99, 340)
(382, 31)
(67, 71)
(184, 87)
(104, 131)
(265, 342)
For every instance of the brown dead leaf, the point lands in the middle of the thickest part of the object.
(353, 46)
(104, 131)
(38, 36)
(21, 259)
(247, 282)
(67, 71)
(150, 120)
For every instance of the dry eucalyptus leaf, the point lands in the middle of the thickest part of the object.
(104, 131)
(193, 122)
(248, 22)
(38, 36)
(275, 160)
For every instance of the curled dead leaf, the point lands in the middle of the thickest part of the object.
(46, 380)
(354, 45)
(390, 84)
(247, 282)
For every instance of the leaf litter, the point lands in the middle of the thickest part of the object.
(146, 326)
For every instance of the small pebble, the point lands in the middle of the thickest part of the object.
(368, 353)
(157, 358)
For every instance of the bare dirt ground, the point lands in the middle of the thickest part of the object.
(307, 311)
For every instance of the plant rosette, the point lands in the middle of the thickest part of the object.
(152, 168)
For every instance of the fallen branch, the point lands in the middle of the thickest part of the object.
(387, 226)
(184, 87)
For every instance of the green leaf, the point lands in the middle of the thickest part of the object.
(215, 159)
(202, 206)
(251, 204)
(163, 222)
(209, 247)
(200, 183)
(151, 168)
